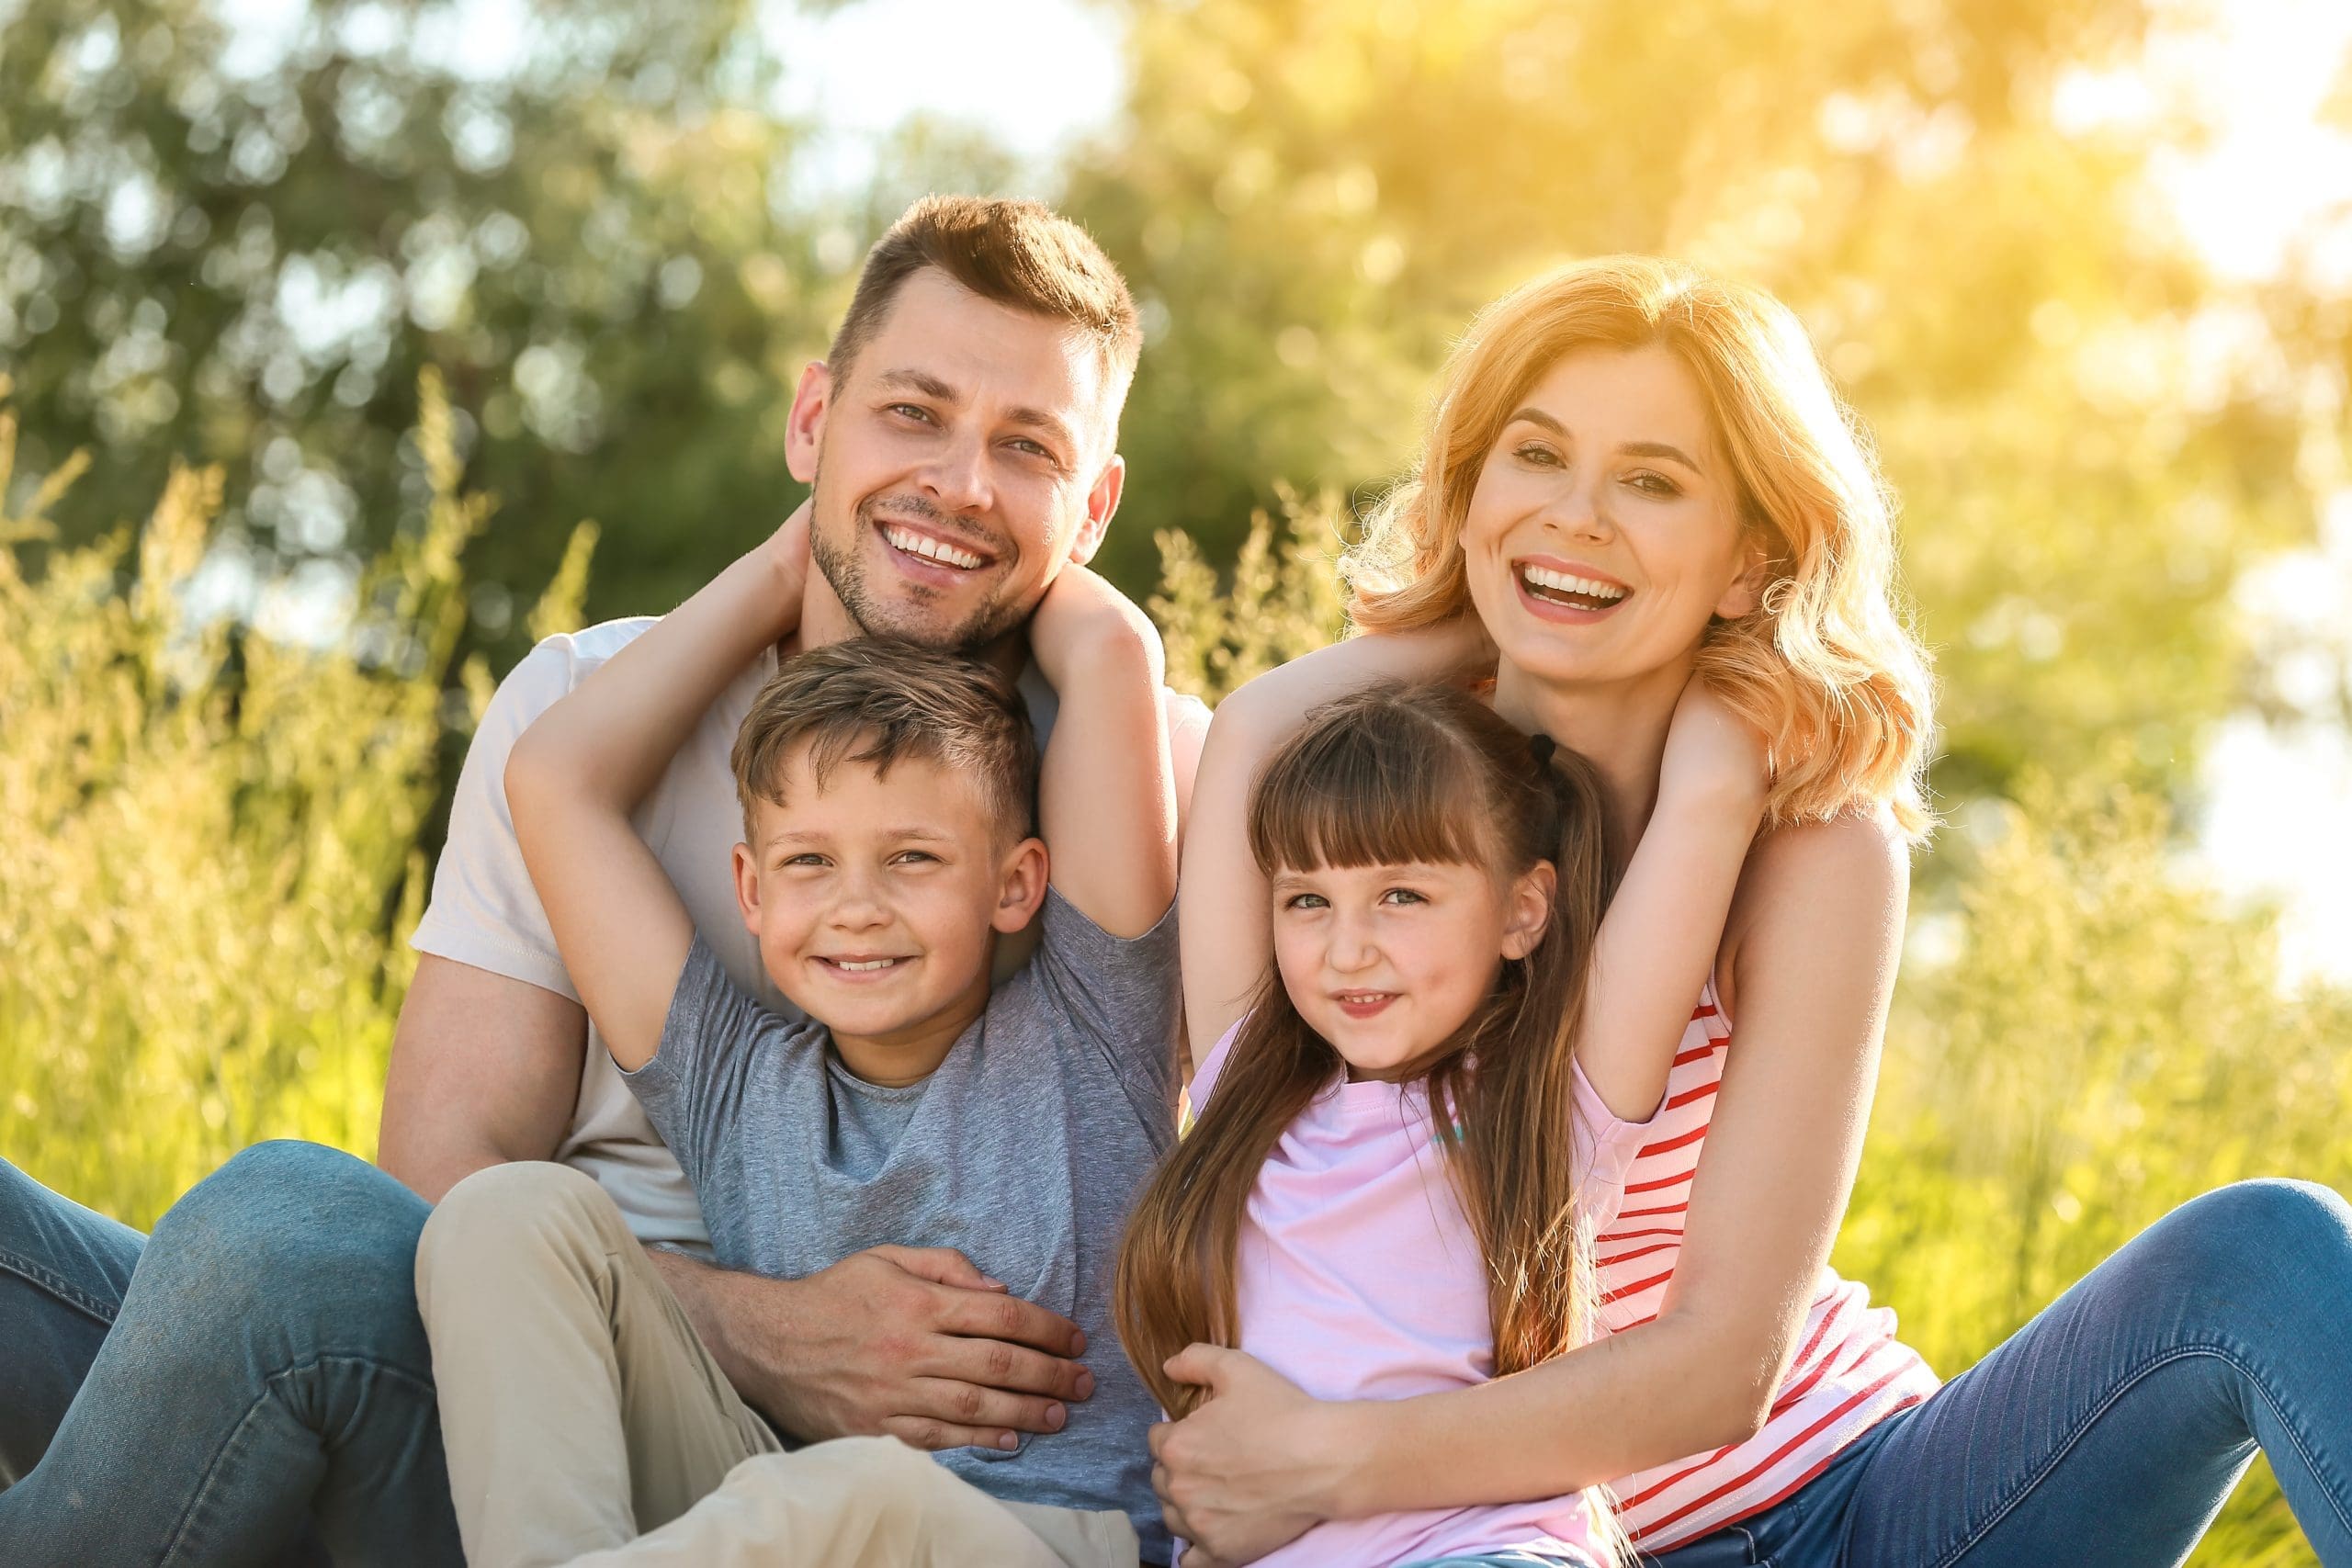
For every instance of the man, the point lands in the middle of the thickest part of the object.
(266, 1363)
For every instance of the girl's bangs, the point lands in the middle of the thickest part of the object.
(1363, 788)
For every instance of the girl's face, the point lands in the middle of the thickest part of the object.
(1386, 962)
(1605, 530)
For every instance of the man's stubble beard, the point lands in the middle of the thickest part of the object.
(843, 566)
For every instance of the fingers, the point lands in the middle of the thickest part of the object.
(988, 1315)
(940, 1266)
(997, 1364)
(931, 1435)
(1197, 1363)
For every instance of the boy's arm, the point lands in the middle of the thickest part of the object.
(1106, 792)
(1224, 928)
(1659, 940)
(578, 773)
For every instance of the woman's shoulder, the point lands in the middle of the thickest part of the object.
(1845, 877)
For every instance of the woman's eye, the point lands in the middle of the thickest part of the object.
(1540, 455)
(1655, 484)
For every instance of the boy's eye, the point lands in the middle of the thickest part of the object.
(807, 857)
(913, 857)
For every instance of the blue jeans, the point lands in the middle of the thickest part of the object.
(2108, 1431)
(251, 1385)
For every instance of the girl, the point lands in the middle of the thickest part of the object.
(1404, 1141)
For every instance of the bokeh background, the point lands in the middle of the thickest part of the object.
(347, 347)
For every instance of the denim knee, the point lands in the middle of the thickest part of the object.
(298, 1240)
(2281, 1244)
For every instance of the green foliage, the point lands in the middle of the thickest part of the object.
(1280, 601)
(2084, 1043)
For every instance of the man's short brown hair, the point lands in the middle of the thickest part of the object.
(1019, 253)
(877, 700)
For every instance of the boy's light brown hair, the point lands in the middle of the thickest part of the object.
(875, 701)
(1019, 253)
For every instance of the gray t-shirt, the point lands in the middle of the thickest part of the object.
(1024, 1151)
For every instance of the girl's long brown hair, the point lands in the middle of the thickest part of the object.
(1398, 775)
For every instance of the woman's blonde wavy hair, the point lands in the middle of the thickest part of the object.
(1826, 665)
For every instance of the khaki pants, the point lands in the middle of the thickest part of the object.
(579, 1408)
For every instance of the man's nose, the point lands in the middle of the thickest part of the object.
(956, 477)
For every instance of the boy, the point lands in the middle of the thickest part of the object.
(888, 792)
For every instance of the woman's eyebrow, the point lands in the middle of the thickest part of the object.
(1660, 449)
(1534, 415)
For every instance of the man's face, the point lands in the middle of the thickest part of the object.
(963, 458)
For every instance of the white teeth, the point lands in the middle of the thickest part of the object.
(1562, 582)
(862, 966)
(923, 545)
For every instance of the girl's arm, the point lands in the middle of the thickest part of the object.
(1665, 924)
(1811, 956)
(584, 764)
(1224, 928)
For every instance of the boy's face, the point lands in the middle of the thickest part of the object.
(875, 898)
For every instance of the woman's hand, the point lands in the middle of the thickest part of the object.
(1254, 1467)
(1713, 754)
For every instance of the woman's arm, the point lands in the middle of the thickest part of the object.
(1224, 928)
(1812, 950)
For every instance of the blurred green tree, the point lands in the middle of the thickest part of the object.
(2090, 438)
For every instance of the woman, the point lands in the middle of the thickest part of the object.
(1636, 476)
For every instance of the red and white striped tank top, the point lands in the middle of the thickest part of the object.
(1850, 1371)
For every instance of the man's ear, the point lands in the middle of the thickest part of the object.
(806, 431)
(1747, 591)
(1022, 888)
(1530, 909)
(747, 888)
(1100, 502)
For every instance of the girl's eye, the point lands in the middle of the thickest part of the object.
(1304, 901)
(1402, 896)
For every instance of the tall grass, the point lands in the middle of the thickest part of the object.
(209, 875)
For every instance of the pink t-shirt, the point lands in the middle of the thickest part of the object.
(1359, 1276)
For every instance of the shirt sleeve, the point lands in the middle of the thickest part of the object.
(484, 912)
(1119, 994)
(1605, 1146)
(694, 1083)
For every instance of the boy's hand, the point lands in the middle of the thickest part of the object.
(910, 1342)
(1079, 612)
(788, 549)
(1712, 755)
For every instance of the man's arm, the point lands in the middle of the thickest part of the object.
(1106, 792)
(484, 1070)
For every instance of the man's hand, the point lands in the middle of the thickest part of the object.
(910, 1342)
(1252, 1467)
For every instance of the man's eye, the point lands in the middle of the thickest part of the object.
(1022, 444)
(912, 410)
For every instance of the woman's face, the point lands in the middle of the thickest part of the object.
(1604, 531)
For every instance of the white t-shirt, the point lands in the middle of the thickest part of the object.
(485, 913)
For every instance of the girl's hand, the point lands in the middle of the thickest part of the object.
(1253, 1466)
(1713, 754)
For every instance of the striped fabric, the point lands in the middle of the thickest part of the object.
(1849, 1370)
